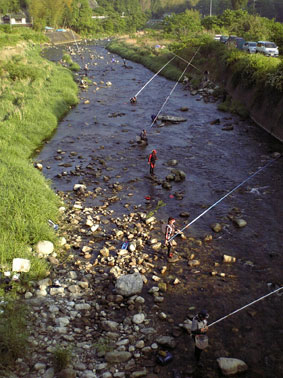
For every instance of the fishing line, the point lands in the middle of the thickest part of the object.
(247, 305)
(226, 195)
(172, 90)
(184, 60)
(136, 95)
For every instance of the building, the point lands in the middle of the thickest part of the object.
(19, 18)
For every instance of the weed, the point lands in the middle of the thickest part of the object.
(61, 358)
(103, 345)
(13, 332)
(158, 206)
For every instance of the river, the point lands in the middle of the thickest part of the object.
(101, 134)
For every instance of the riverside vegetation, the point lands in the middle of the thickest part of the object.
(35, 94)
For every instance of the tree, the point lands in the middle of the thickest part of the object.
(239, 4)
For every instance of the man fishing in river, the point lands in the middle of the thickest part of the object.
(151, 161)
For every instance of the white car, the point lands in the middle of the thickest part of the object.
(249, 47)
(267, 48)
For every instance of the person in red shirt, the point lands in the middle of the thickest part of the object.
(151, 161)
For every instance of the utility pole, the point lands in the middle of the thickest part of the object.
(210, 9)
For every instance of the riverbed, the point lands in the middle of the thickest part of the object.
(99, 135)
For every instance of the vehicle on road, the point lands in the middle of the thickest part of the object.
(239, 42)
(223, 38)
(250, 47)
(267, 48)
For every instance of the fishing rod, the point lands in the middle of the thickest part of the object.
(226, 195)
(172, 90)
(247, 305)
(136, 95)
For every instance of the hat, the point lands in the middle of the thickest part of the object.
(203, 314)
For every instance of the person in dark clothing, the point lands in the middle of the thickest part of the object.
(199, 329)
(133, 100)
(169, 232)
(151, 161)
(153, 118)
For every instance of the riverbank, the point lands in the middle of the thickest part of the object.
(251, 85)
(35, 96)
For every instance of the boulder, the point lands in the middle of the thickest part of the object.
(138, 318)
(229, 259)
(117, 356)
(240, 222)
(21, 265)
(44, 248)
(129, 284)
(230, 366)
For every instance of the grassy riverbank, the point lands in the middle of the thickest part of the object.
(35, 94)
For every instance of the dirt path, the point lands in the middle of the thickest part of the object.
(98, 141)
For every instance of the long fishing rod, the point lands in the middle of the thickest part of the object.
(247, 305)
(172, 90)
(221, 199)
(136, 95)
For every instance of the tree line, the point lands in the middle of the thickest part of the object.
(124, 16)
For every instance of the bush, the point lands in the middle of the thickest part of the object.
(61, 358)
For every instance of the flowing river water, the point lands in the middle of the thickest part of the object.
(102, 133)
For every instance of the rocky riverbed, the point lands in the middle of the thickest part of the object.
(101, 173)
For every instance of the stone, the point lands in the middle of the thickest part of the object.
(166, 341)
(43, 284)
(156, 246)
(49, 373)
(62, 322)
(138, 318)
(79, 187)
(82, 306)
(193, 263)
(140, 373)
(67, 373)
(21, 265)
(44, 248)
(216, 227)
(117, 356)
(109, 325)
(75, 289)
(150, 220)
(56, 290)
(230, 366)
(104, 252)
(39, 366)
(239, 222)
(228, 259)
(129, 284)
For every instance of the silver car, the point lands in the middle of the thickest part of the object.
(249, 47)
(267, 48)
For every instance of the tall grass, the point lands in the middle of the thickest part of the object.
(34, 95)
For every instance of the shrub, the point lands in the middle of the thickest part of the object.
(61, 358)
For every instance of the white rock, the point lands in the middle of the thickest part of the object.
(56, 290)
(79, 187)
(94, 227)
(230, 366)
(28, 295)
(43, 284)
(62, 322)
(21, 265)
(150, 220)
(62, 241)
(229, 259)
(39, 366)
(44, 248)
(156, 246)
(82, 306)
(73, 275)
(240, 222)
(129, 284)
(138, 318)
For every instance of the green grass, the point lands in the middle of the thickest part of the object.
(61, 358)
(34, 95)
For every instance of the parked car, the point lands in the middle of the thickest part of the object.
(250, 47)
(239, 43)
(231, 41)
(217, 37)
(267, 48)
(223, 38)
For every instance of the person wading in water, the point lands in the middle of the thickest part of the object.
(151, 161)
(198, 330)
